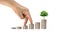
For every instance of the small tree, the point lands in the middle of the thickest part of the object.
(43, 14)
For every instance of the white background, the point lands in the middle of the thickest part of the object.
(9, 19)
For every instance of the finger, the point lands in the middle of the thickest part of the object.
(30, 19)
(26, 19)
(28, 16)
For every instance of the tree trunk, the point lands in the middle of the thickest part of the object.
(44, 17)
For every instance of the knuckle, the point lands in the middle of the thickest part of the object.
(26, 9)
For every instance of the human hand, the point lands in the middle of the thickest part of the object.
(21, 11)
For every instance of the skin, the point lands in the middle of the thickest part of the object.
(20, 10)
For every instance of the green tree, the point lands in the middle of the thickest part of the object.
(43, 14)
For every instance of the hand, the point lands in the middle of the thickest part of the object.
(24, 14)
(21, 11)
(27, 15)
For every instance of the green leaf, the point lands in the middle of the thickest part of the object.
(44, 13)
